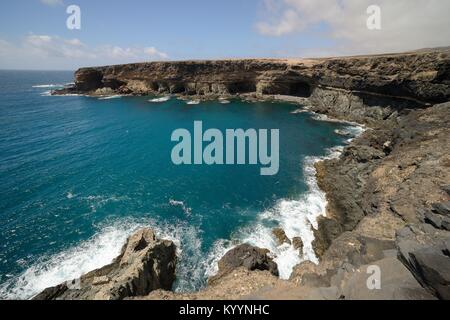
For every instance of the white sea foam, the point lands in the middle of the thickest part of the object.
(193, 102)
(158, 100)
(96, 202)
(46, 93)
(218, 250)
(301, 110)
(69, 264)
(118, 96)
(354, 131)
(343, 132)
(49, 86)
(101, 249)
(297, 217)
(181, 204)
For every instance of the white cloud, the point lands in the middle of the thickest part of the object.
(52, 2)
(74, 42)
(53, 52)
(153, 52)
(406, 24)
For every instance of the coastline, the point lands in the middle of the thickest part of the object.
(381, 191)
(296, 222)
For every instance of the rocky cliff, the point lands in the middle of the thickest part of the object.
(418, 77)
(388, 193)
(144, 264)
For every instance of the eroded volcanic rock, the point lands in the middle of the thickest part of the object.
(425, 252)
(280, 236)
(145, 264)
(341, 87)
(247, 256)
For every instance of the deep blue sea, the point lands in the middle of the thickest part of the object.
(79, 174)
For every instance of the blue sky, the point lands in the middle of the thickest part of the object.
(33, 33)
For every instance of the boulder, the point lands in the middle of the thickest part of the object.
(434, 268)
(434, 219)
(442, 208)
(328, 230)
(144, 264)
(446, 189)
(446, 224)
(280, 236)
(426, 255)
(438, 221)
(248, 256)
(297, 242)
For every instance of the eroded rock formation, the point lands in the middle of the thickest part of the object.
(145, 264)
(420, 76)
(247, 256)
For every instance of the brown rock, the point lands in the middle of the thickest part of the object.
(416, 76)
(298, 244)
(280, 236)
(245, 255)
(145, 264)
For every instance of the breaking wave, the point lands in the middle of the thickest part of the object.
(297, 217)
(101, 249)
(186, 209)
(117, 96)
(159, 100)
(49, 86)
(69, 264)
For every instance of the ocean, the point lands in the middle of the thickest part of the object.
(80, 174)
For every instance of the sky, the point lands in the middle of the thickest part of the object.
(34, 35)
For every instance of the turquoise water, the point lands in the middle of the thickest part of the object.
(79, 174)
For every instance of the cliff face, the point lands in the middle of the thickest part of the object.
(424, 77)
(197, 78)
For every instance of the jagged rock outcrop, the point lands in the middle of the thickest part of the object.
(401, 181)
(374, 192)
(426, 253)
(280, 236)
(247, 256)
(145, 264)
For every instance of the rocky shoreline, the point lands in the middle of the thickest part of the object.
(388, 193)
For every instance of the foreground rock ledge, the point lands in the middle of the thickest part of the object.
(247, 256)
(144, 264)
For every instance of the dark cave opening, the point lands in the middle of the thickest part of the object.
(241, 87)
(177, 88)
(300, 89)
